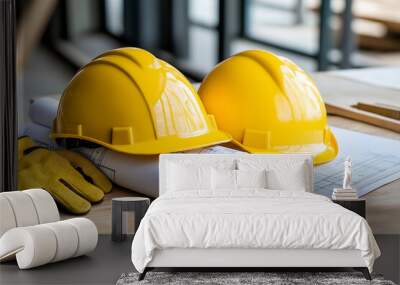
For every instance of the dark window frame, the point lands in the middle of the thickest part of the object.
(8, 100)
(321, 56)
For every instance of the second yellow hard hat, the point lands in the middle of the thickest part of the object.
(130, 101)
(269, 105)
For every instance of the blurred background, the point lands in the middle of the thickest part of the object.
(56, 37)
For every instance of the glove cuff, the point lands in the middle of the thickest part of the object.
(25, 146)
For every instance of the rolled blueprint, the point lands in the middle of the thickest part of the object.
(136, 172)
(40, 134)
(43, 110)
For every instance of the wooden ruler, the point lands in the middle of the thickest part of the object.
(342, 96)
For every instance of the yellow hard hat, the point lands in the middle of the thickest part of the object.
(269, 105)
(130, 101)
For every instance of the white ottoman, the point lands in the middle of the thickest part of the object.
(26, 208)
(40, 244)
(31, 230)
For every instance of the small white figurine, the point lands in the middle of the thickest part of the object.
(346, 192)
(347, 173)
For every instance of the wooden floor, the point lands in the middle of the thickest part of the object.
(100, 214)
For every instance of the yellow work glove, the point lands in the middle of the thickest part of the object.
(71, 179)
(24, 143)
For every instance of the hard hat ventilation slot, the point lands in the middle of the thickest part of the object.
(79, 130)
(257, 139)
(122, 135)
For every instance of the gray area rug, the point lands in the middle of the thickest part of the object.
(231, 278)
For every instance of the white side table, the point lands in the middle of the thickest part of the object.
(138, 205)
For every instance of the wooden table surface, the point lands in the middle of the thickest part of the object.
(383, 204)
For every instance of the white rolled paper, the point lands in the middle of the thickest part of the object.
(40, 134)
(43, 110)
(135, 172)
(138, 173)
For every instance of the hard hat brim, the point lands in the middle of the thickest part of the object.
(162, 145)
(322, 153)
